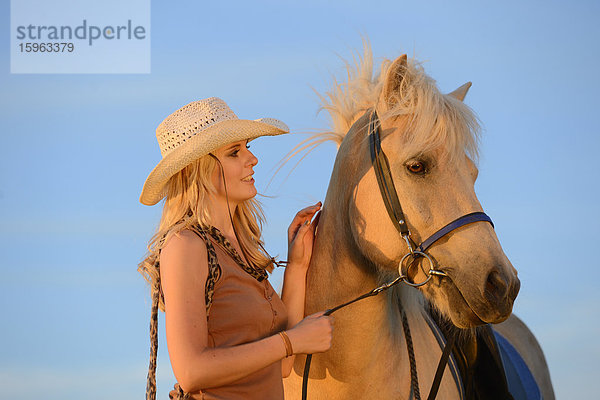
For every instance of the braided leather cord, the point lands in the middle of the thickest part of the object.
(151, 381)
(414, 380)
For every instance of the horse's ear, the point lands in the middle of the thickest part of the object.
(393, 79)
(461, 92)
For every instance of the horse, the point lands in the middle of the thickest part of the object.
(431, 140)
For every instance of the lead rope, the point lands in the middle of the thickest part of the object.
(373, 292)
(442, 367)
(414, 379)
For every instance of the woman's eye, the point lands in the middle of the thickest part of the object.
(235, 153)
(416, 167)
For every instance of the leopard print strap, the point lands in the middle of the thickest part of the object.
(258, 274)
(214, 269)
(214, 274)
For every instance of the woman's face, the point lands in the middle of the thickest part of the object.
(238, 163)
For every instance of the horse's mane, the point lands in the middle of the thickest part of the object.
(434, 119)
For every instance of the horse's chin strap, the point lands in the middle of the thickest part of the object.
(394, 209)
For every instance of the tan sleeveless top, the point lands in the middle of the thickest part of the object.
(243, 309)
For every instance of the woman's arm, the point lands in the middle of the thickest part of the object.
(300, 241)
(292, 295)
(184, 270)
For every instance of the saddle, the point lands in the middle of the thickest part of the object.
(489, 367)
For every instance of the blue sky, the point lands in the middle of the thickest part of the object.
(76, 149)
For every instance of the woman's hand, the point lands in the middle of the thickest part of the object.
(312, 335)
(301, 234)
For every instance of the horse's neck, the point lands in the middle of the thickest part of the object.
(339, 272)
(337, 275)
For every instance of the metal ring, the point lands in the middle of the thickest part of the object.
(414, 255)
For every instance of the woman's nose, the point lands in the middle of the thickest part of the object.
(252, 160)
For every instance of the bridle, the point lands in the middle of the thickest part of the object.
(392, 204)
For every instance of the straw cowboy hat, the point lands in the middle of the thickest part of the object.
(194, 131)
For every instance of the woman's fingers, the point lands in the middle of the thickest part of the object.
(302, 217)
(317, 314)
(308, 212)
(302, 230)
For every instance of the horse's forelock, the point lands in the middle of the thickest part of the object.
(434, 119)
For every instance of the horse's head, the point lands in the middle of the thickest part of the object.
(430, 140)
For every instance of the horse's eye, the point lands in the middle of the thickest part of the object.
(416, 167)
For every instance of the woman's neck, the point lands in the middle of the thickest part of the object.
(220, 219)
(219, 215)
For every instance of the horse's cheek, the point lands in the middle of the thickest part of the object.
(372, 231)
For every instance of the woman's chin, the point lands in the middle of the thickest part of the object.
(249, 193)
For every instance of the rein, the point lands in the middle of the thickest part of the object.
(392, 204)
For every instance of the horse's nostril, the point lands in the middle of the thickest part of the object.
(495, 287)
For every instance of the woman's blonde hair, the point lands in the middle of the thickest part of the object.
(185, 207)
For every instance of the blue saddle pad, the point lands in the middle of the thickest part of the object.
(521, 383)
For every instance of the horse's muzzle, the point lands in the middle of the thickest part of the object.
(500, 292)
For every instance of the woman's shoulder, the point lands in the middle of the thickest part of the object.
(185, 249)
(184, 237)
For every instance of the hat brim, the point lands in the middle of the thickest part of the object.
(205, 141)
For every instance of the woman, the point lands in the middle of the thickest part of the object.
(229, 334)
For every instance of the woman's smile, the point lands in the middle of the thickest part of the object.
(249, 178)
